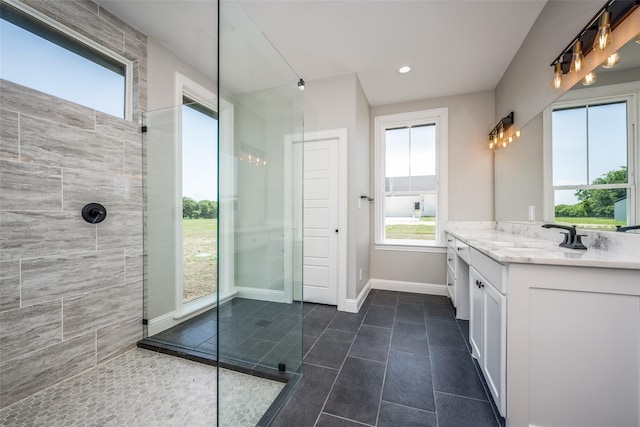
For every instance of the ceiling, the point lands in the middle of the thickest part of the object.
(453, 46)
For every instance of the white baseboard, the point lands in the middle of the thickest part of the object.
(353, 305)
(415, 287)
(263, 294)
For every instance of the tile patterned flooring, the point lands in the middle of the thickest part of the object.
(144, 388)
(403, 360)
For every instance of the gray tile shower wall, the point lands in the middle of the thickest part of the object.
(70, 292)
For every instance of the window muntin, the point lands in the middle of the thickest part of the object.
(410, 174)
(590, 145)
(43, 58)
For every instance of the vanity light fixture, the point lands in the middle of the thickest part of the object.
(404, 69)
(576, 58)
(589, 79)
(497, 136)
(611, 61)
(603, 37)
(556, 83)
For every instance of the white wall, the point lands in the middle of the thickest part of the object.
(340, 102)
(470, 181)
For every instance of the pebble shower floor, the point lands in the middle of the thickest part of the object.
(143, 388)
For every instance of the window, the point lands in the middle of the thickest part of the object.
(48, 59)
(592, 175)
(410, 178)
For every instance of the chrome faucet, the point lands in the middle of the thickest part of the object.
(572, 239)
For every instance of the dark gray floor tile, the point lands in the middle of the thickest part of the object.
(454, 373)
(356, 393)
(283, 353)
(410, 313)
(371, 343)
(435, 300)
(380, 316)
(251, 350)
(463, 325)
(317, 321)
(392, 415)
(410, 338)
(409, 298)
(307, 308)
(367, 302)
(385, 299)
(325, 307)
(307, 342)
(330, 349)
(408, 381)
(305, 403)
(349, 322)
(327, 420)
(438, 311)
(457, 411)
(445, 333)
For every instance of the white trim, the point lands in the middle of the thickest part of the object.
(184, 86)
(341, 136)
(82, 39)
(629, 92)
(414, 287)
(264, 294)
(439, 249)
(439, 116)
(171, 319)
(354, 305)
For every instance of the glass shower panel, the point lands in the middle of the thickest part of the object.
(260, 320)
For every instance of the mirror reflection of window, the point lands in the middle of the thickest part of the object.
(199, 200)
(590, 146)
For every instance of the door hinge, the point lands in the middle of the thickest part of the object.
(143, 129)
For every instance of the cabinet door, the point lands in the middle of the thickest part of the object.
(493, 362)
(476, 321)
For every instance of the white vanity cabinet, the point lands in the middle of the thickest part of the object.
(458, 276)
(488, 324)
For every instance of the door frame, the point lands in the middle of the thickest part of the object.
(289, 140)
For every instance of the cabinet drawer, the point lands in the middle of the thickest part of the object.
(462, 250)
(451, 257)
(451, 241)
(493, 271)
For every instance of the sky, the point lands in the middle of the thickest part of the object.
(410, 151)
(199, 155)
(587, 143)
(32, 61)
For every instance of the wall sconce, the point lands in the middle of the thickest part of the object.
(597, 35)
(498, 135)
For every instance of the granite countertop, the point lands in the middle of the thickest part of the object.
(507, 248)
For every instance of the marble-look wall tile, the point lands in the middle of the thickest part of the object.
(24, 100)
(133, 158)
(118, 338)
(9, 285)
(9, 134)
(135, 45)
(29, 374)
(115, 192)
(33, 234)
(64, 146)
(29, 187)
(120, 230)
(79, 18)
(100, 308)
(59, 276)
(117, 128)
(29, 328)
(134, 264)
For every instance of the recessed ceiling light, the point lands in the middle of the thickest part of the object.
(404, 69)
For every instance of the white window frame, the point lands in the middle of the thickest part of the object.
(439, 117)
(89, 43)
(185, 87)
(629, 92)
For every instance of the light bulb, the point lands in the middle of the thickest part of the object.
(264, 163)
(556, 83)
(589, 79)
(611, 61)
(510, 139)
(501, 135)
(603, 37)
(491, 146)
(518, 133)
(638, 38)
(504, 144)
(577, 58)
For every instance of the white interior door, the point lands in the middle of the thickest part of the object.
(320, 221)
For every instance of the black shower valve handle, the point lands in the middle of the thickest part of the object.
(94, 213)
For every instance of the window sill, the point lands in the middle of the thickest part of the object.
(435, 248)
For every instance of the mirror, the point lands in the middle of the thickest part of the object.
(521, 170)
